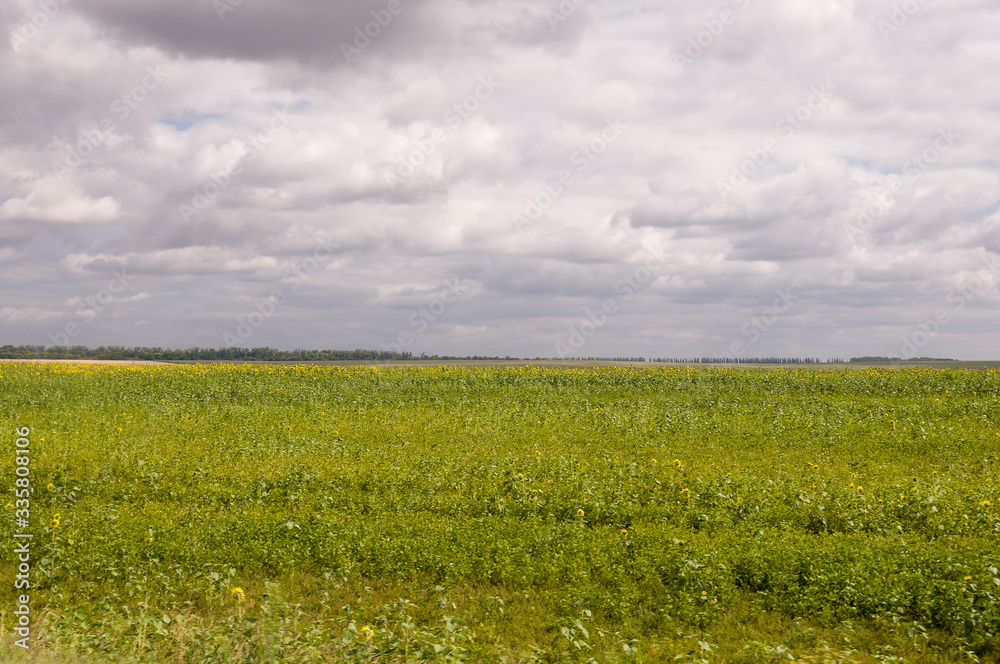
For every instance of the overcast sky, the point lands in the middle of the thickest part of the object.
(504, 177)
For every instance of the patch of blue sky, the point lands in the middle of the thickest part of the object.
(985, 212)
(187, 120)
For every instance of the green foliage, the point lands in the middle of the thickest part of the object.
(158, 354)
(450, 514)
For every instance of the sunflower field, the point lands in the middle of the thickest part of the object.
(296, 513)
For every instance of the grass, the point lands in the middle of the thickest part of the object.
(506, 514)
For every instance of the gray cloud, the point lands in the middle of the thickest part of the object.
(468, 142)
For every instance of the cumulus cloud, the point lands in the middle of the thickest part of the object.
(51, 201)
(342, 166)
(30, 315)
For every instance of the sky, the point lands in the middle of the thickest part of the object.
(532, 178)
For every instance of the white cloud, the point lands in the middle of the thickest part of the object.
(310, 212)
(30, 315)
(53, 202)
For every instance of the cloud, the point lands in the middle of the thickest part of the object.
(53, 202)
(405, 159)
(30, 315)
(330, 35)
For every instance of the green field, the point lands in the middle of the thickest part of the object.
(518, 514)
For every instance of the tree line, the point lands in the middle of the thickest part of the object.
(28, 352)
(204, 354)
